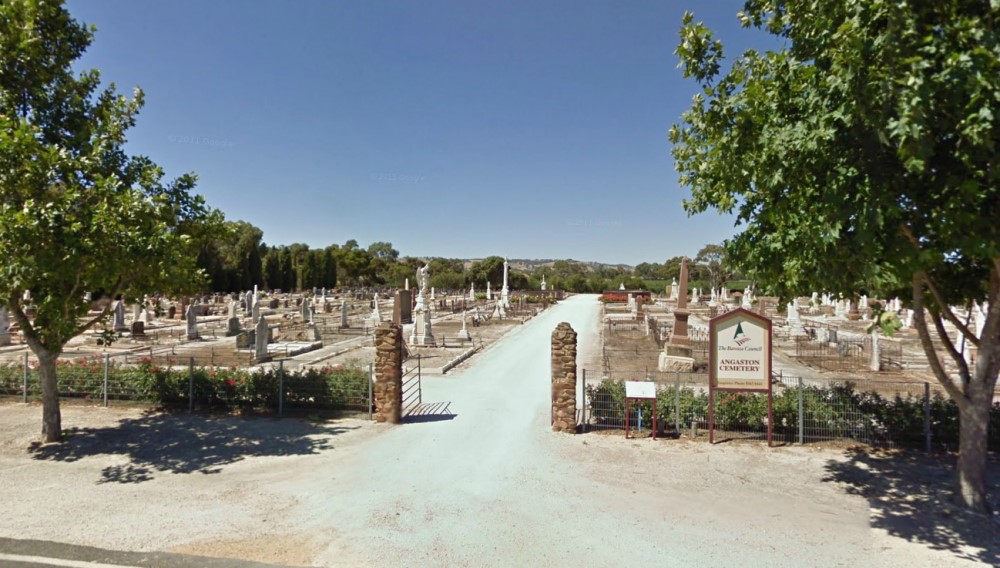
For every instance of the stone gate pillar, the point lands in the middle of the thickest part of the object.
(389, 373)
(564, 379)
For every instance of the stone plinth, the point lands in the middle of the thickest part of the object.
(676, 363)
(564, 379)
(402, 307)
(389, 373)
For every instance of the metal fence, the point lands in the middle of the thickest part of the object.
(272, 389)
(878, 413)
(849, 353)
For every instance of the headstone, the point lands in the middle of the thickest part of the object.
(233, 306)
(696, 296)
(255, 313)
(138, 328)
(343, 314)
(543, 282)
(4, 327)
(171, 311)
(118, 315)
(472, 292)
(464, 332)
(304, 309)
(146, 317)
(674, 291)
(191, 321)
(249, 299)
(233, 326)
(376, 316)
(261, 333)
(402, 307)
(136, 312)
(489, 292)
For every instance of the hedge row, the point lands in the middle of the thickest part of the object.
(834, 412)
(327, 388)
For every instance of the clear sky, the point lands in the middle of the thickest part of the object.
(527, 129)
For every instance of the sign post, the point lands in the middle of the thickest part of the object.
(739, 360)
(639, 390)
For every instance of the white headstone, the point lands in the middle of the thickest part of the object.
(261, 333)
(343, 314)
(489, 291)
(191, 319)
(543, 282)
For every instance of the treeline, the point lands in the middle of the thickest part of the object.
(237, 259)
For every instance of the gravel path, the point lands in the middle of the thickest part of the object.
(492, 486)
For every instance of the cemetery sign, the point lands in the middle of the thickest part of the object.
(739, 359)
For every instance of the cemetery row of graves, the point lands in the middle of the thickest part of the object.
(267, 352)
(835, 377)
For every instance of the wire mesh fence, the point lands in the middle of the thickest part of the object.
(340, 390)
(878, 413)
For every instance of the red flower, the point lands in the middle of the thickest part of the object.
(231, 382)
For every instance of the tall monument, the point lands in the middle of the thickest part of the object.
(421, 334)
(505, 291)
(676, 354)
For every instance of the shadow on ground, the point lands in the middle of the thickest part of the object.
(910, 497)
(159, 442)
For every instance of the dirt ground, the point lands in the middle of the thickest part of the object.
(486, 484)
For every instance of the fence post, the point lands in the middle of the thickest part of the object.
(190, 385)
(371, 379)
(802, 417)
(927, 416)
(281, 388)
(677, 402)
(107, 363)
(25, 395)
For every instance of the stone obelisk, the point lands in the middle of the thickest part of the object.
(676, 354)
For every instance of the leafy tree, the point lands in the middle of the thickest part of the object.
(713, 259)
(490, 268)
(76, 212)
(866, 152)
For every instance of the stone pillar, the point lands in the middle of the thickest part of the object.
(389, 373)
(564, 379)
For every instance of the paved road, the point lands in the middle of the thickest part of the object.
(17, 553)
(477, 486)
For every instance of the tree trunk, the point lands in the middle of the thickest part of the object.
(51, 417)
(974, 421)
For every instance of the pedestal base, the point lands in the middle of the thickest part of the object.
(674, 363)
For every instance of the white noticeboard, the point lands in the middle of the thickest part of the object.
(640, 389)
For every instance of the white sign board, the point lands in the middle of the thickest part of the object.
(740, 351)
(640, 389)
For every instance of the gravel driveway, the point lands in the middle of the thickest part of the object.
(488, 486)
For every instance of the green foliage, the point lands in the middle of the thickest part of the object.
(833, 412)
(76, 212)
(327, 388)
(873, 117)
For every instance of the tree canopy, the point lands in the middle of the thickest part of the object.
(861, 155)
(77, 214)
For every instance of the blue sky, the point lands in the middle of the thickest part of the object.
(533, 129)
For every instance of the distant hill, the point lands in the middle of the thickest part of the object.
(530, 265)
